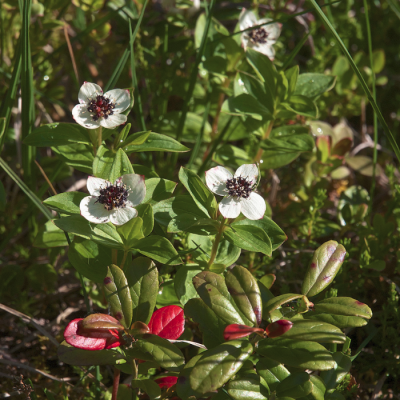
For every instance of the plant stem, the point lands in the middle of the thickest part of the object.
(114, 256)
(124, 259)
(266, 136)
(99, 136)
(117, 374)
(134, 376)
(217, 239)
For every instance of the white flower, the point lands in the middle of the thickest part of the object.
(260, 39)
(238, 190)
(113, 202)
(98, 109)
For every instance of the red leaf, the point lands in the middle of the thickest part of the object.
(90, 339)
(236, 331)
(167, 322)
(278, 328)
(166, 381)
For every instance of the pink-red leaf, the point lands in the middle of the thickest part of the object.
(236, 331)
(166, 381)
(167, 322)
(90, 339)
(278, 328)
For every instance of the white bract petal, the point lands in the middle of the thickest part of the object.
(95, 184)
(247, 19)
(273, 30)
(264, 48)
(136, 186)
(253, 207)
(93, 211)
(249, 171)
(230, 207)
(216, 180)
(120, 97)
(89, 91)
(113, 121)
(82, 116)
(121, 216)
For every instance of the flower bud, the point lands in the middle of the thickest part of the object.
(235, 331)
(278, 328)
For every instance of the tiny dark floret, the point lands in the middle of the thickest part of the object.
(101, 107)
(239, 187)
(259, 35)
(113, 196)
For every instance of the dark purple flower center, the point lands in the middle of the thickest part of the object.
(101, 107)
(259, 35)
(239, 187)
(113, 196)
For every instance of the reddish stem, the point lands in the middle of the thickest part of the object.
(117, 374)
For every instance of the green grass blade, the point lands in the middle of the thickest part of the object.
(193, 75)
(371, 61)
(395, 6)
(138, 102)
(295, 51)
(9, 99)
(32, 196)
(122, 62)
(364, 85)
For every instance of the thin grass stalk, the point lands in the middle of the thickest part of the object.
(10, 97)
(200, 136)
(123, 60)
(371, 61)
(193, 78)
(293, 54)
(138, 102)
(364, 85)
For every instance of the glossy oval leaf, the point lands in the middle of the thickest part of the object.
(292, 353)
(334, 376)
(167, 322)
(296, 386)
(66, 203)
(118, 295)
(272, 372)
(157, 142)
(278, 301)
(341, 321)
(323, 268)
(212, 369)
(343, 306)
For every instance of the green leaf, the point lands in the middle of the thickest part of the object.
(200, 193)
(363, 165)
(142, 276)
(315, 331)
(289, 144)
(245, 104)
(157, 142)
(109, 165)
(135, 139)
(148, 386)
(299, 104)
(145, 212)
(313, 85)
(318, 389)
(183, 283)
(213, 291)
(66, 203)
(166, 295)
(212, 369)
(118, 295)
(295, 385)
(166, 210)
(336, 375)
(131, 232)
(201, 247)
(292, 75)
(341, 321)
(274, 232)
(272, 372)
(211, 326)
(324, 266)
(89, 259)
(246, 386)
(78, 156)
(249, 237)
(276, 302)
(50, 236)
(264, 68)
(159, 350)
(107, 234)
(158, 189)
(75, 224)
(343, 306)
(73, 356)
(57, 134)
(256, 88)
(292, 353)
(158, 248)
(245, 292)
